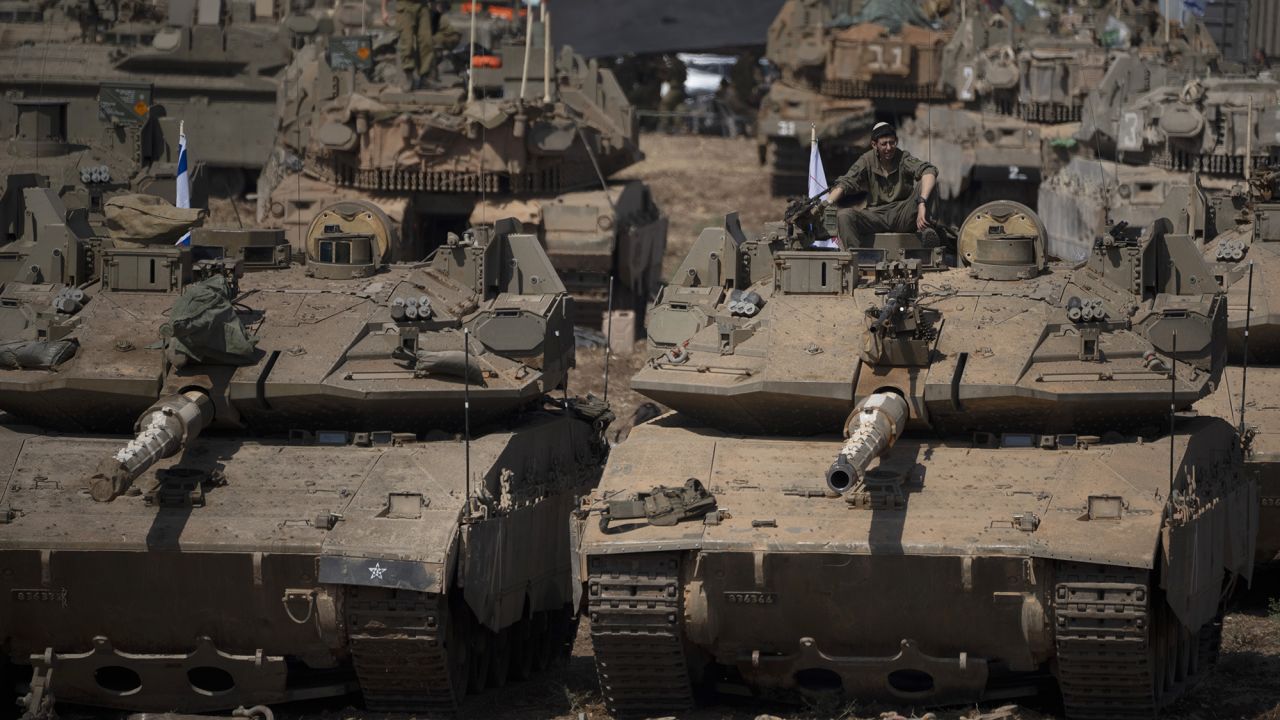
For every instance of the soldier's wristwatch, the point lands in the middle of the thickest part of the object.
(921, 200)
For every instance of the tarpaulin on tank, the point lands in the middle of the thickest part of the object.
(203, 327)
(609, 28)
(149, 219)
(890, 14)
(36, 354)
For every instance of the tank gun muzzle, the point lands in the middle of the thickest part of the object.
(166, 427)
(871, 430)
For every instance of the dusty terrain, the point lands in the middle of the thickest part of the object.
(697, 180)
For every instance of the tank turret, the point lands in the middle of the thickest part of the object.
(128, 75)
(347, 342)
(1053, 368)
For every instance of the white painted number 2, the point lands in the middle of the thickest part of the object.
(1015, 173)
(966, 83)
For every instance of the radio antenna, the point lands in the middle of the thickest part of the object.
(528, 45)
(608, 340)
(466, 406)
(1173, 391)
(1244, 376)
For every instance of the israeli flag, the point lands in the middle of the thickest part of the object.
(818, 181)
(183, 190)
(1195, 7)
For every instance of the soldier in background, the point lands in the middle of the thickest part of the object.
(423, 30)
(673, 74)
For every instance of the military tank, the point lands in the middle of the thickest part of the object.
(1244, 256)
(210, 64)
(329, 477)
(922, 486)
(525, 134)
(1151, 131)
(1023, 86)
(88, 159)
(840, 64)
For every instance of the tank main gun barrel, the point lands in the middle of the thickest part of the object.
(871, 430)
(166, 427)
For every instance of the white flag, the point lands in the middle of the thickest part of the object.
(817, 175)
(183, 190)
(818, 182)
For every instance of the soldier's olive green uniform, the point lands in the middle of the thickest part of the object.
(891, 196)
(421, 33)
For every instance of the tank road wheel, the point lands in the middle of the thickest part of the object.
(1121, 650)
(499, 658)
(1210, 641)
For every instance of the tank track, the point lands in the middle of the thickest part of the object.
(1122, 653)
(398, 649)
(636, 610)
(1103, 615)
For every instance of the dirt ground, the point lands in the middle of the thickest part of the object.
(696, 180)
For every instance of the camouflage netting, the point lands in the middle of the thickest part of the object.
(204, 328)
(149, 219)
(890, 14)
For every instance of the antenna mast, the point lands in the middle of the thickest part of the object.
(546, 53)
(471, 55)
(466, 406)
(1244, 379)
(1173, 390)
(608, 340)
(528, 45)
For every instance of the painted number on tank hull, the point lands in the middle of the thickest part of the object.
(750, 597)
(40, 595)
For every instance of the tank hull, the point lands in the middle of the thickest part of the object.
(290, 570)
(960, 586)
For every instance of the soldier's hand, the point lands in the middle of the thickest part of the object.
(922, 220)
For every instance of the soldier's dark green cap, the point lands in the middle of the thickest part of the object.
(882, 129)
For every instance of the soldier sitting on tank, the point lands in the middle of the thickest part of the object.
(897, 184)
(423, 31)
